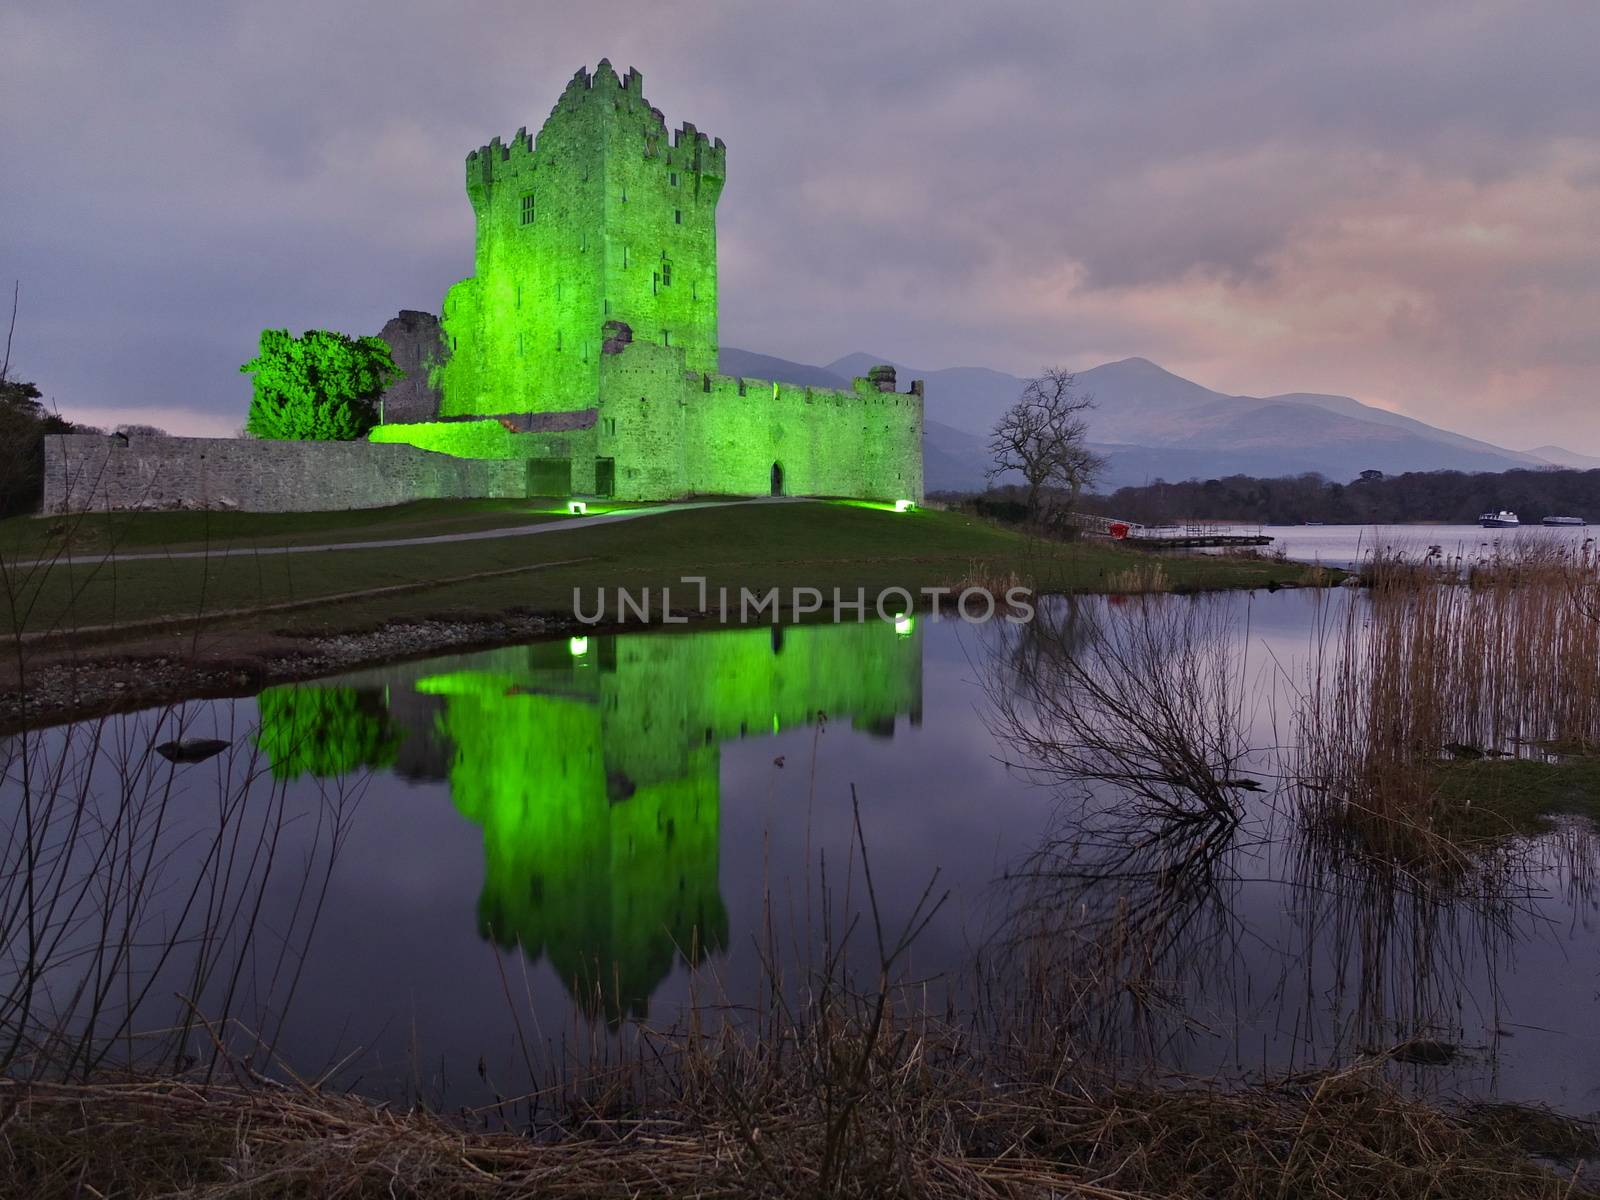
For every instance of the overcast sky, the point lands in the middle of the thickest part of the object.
(1398, 202)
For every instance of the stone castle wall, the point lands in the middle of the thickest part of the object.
(90, 472)
(417, 348)
(676, 433)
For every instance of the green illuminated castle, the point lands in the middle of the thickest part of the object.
(586, 339)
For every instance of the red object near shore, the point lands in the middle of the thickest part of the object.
(1119, 529)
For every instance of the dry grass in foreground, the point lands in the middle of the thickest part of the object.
(745, 1129)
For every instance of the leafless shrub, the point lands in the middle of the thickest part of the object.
(1145, 698)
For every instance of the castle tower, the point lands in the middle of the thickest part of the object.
(603, 216)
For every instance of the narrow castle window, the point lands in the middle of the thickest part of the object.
(519, 295)
(519, 345)
(558, 339)
(677, 216)
(666, 273)
(666, 338)
(673, 178)
(624, 256)
(527, 208)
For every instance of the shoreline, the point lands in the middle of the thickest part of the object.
(126, 676)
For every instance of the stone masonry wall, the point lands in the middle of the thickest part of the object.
(675, 433)
(417, 348)
(89, 472)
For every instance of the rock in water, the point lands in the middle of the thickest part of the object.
(191, 750)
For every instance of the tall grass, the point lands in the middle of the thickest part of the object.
(1498, 656)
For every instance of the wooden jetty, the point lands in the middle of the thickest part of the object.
(1164, 537)
(1179, 541)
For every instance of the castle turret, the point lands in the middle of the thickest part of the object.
(600, 216)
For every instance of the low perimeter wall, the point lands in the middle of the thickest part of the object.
(95, 472)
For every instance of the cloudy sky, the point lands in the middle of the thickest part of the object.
(1399, 202)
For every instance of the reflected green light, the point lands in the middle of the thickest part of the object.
(577, 507)
(325, 732)
(593, 770)
(903, 625)
(901, 506)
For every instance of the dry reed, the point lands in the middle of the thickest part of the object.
(1139, 580)
(748, 1120)
(1498, 656)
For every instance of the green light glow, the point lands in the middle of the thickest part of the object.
(596, 779)
(576, 508)
(321, 386)
(905, 624)
(324, 732)
(464, 439)
(594, 292)
(901, 506)
(578, 646)
(621, 225)
(878, 505)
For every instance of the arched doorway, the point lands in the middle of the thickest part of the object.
(777, 479)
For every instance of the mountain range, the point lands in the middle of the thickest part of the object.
(1150, 423)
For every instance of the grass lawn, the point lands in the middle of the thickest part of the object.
(815, 544)
(142, 532)
(1495, 797)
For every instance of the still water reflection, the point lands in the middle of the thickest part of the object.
(482, 861)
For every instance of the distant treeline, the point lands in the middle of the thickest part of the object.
(1448, 496)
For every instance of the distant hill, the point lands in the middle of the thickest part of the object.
(1150, 423)
(750, 365)
(1566, 458)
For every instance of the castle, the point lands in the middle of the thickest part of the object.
(586, 340)
(579, 360)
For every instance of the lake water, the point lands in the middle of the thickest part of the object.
(438, 876)
(1345, 545)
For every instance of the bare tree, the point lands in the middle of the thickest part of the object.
(5, 367)
(1045, 437)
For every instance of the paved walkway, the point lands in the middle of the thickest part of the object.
(477, 535)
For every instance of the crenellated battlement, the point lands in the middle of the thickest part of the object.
(618, 99)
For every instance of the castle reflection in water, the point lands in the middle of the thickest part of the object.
(592, 766)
